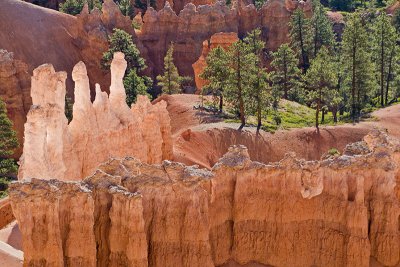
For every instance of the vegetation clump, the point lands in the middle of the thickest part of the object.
(8, 144)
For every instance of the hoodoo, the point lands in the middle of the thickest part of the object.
(99, 130)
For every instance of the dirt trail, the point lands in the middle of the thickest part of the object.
(200, 138)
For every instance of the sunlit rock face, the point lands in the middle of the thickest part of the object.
(99, 130)
(193, 25)
(340, 211)
(222, 39)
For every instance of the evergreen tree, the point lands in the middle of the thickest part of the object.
(322, 32)
(259, 95)
(285, 75)
(8, 143)
(358, 67)
(241, 77)
(68, 108)
(300, 34)
(321, 80)
(74, 7)
(216, 73)
(121, 41)
(170, 82)
(384, 52)
(126, 7)
(136, 85)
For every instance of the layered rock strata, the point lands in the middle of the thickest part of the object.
(99, 130)
(340, 211)
(222, 39)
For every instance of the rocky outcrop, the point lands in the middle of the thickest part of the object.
(223, 39)
(338, 24)
(107, 127)
(6, 214)
(15, 91)
(193, 25)
(340, 211)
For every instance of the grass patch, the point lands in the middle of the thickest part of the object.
(291, 115)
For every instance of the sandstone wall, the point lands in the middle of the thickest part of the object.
(219, 39)
(195, 24)
(6, 214)
(99, 130)
(340, 211)
(15, 92)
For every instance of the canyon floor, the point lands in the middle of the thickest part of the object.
(202, 138)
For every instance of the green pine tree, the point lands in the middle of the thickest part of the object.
(68, 108)
(136, 85)
(358, 67)
(384, 52)
(121, 41)
(321, 81)
(74, 7)
(301, 39)
(8, 143)
(285, 76)
(241, 75)
(216, 73)
(322, 32)
(170, 81)
(259, 95)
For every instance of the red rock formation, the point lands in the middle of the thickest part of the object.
(219, 39)
(6, 215)
(98, 130)
(15, 91)
(194, 25)
(340, 211)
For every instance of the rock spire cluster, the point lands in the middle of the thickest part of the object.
(99, 130)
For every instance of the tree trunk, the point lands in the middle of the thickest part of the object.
(389, 75)
(322, 116)
(258, 117)
(382, 68)
(221, 103)
(317, 118)
(353, 86)
(240, 97)
(334, 114)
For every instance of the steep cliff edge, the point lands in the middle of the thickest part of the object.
(335, 212)
(99, 130)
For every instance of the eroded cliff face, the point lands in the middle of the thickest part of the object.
(335, 212)
(99, 130)
(222, 39)
(195, 24)
(15, 92)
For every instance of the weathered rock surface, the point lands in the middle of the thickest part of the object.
(193, 25)
(15, 91)
(335, 212)
(223, 39)
(99, 130)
